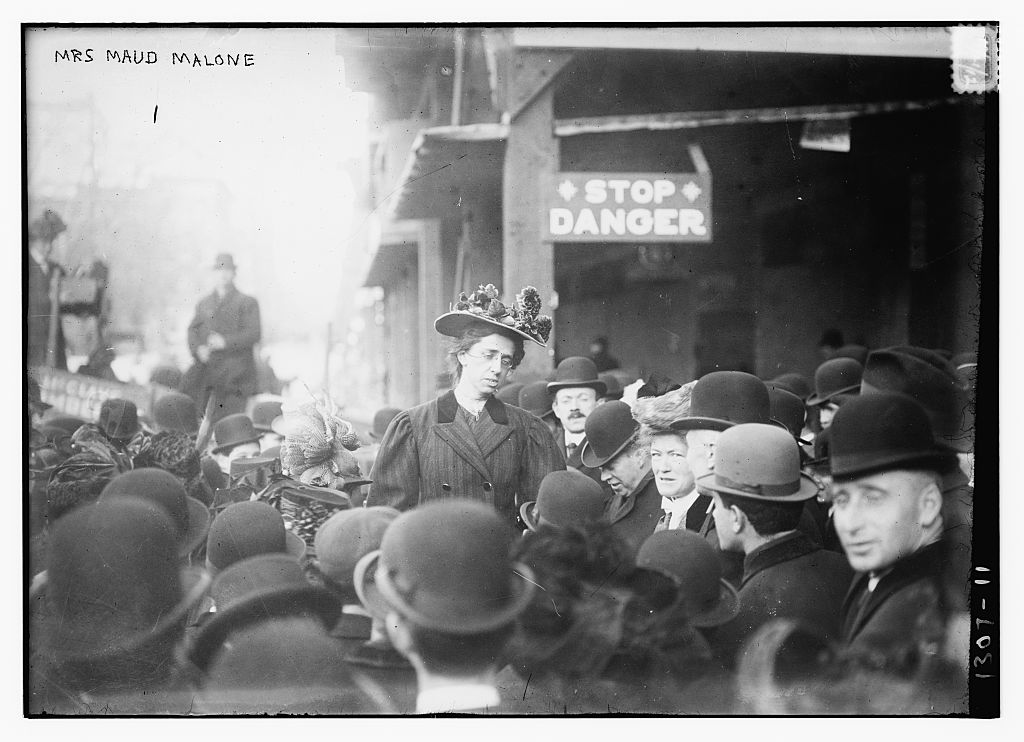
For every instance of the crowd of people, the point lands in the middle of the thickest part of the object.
(720, 545)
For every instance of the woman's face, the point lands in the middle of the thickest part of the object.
(672, 473)
(486, 364)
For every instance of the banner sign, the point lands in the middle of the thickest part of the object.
(628, 207)
(81, 396)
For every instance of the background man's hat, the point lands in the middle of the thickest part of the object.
(256, 589)
(613, 387)
(348, 536)
(445, 566)
(577, 371)
(263, 414)
(190, 517)
(565, 498)
(787, 410)
(535, 399)
(792, 382)
(835, 376)
(115, 585)
(233, 430)
(177, 412)
(760, 462)
(522, 318)
(381, 419)
(882, 431)
(932, 381)
(859, 353)
(509, 394)
(690, 561)
(722, 399)
(119, 418)
(609, 429)
(166, 375)
(247, 529)
(224, 260)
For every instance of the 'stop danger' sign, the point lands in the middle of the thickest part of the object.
(628, 207)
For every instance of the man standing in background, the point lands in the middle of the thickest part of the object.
(221, 337)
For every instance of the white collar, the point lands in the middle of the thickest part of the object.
(449, 698)
(678, 506)
(576, 438)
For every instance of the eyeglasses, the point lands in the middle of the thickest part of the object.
(491, 356)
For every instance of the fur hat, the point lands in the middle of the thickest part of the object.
(657, 414)
(318, 445)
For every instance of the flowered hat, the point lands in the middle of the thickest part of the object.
(522, 317)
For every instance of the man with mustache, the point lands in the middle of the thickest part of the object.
(574, 395)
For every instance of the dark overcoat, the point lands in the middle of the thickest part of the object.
(430, 452)
(905, 610)
(790, 577)
(576, 462)
(38, 313)
(237, 318)
(635, 516)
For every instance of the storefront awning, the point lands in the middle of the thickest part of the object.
(445, 164)
(396, 249)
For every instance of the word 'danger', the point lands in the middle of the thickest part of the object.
(625, 207)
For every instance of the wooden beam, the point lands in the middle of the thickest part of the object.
(532, 72)
(727, 117)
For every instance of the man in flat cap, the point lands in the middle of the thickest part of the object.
(221, 337)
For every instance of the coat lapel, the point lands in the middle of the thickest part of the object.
(620, 507)
(494, 435)
(458, 437)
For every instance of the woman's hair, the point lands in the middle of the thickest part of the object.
(470, 337)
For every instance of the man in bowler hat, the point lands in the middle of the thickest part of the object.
(221, 337)
(613, 445)
(574, 395)
(887, 498)
(759, 495)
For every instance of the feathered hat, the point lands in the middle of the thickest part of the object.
(657, 413)
(318, 445)
(522, 317)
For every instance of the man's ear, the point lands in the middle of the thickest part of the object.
(739, 519)
(930, 503)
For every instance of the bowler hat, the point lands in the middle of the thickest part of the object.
(509, 394)
(381, 419)
(348, 536)
(233, 430)
(609, 428)
(822, 449)
(483, 308)
(760, 462)
(835, 376)
(176, 411)
(613, 387)
(263, 414)
(859, 353)
(445, 566)
(722, 399)
(577, 371)
(881, 431)
(535, 399)
(792, 382)
(932, 381)
(166, 375)
(119, 418)
(224, 260)
(690, 561)
(190, 517)
(115, 585)
(256, 589)
(787, 410)
(565, 498)
(246, 529)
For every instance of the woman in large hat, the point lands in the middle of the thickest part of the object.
(467, 443)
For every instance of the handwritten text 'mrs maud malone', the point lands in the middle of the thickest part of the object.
(137, 56)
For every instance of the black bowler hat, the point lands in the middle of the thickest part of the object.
(722, 399)
(577, 371)
(264, 413)
(859, 353)
(787, 410)
(792, 382)
(932, 381)
(233, 430)
(534, 398)
(119, 418)
(835, 376)
(614, 386)
(882, 431)
(609, 428)
(177, 412)
(565, 498)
